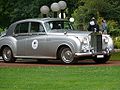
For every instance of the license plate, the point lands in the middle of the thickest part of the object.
(100, 56)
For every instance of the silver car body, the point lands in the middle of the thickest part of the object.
(47, 43)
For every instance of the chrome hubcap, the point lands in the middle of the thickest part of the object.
(67, 56)
(7, 54)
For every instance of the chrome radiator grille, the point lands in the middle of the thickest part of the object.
(96, 42)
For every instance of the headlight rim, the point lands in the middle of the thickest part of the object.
(106, 40)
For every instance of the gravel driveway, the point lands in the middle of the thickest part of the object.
(31, 63)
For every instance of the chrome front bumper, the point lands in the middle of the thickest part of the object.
(93, 54)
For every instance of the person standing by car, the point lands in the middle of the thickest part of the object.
(104, 26)
(93, 26)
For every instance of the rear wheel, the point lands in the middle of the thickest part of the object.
(102, 60)
(66, 56)
(7, 55)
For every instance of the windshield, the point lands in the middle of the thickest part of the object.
(58, 25)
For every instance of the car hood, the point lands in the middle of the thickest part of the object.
(70, 33)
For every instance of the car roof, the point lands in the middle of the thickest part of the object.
(38, 20)
(12, 26)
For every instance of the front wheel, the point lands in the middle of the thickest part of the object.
(7, 55)
(102, 60)
(66, 56)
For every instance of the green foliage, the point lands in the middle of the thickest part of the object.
(115, 32)
(116, 41)
(71, 6)
(115, 56)
(60, 78)
(112, 26)
(13, 10)
(81, 10)
(1, 30)
(108, 9)
(80, 15)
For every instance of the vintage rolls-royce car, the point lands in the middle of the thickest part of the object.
(53, 38)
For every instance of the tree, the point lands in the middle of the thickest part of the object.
(108, 9)
(13, 10)
(71, 6)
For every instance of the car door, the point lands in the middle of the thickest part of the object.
(21, 35)
(36, 42)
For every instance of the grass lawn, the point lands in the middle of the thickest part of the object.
(115, 56)
(60, 78)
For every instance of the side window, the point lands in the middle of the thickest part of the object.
(41, 29)
(22, 28)
(17, 29)
(36, 27)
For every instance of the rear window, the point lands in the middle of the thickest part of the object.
(22, 28)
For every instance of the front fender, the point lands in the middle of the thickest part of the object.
(72, 42)
(108, 45)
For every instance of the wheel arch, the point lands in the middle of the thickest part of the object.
(59, 49)
(3, 48)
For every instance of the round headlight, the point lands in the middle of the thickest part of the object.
(84, 40)
(106, 40)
